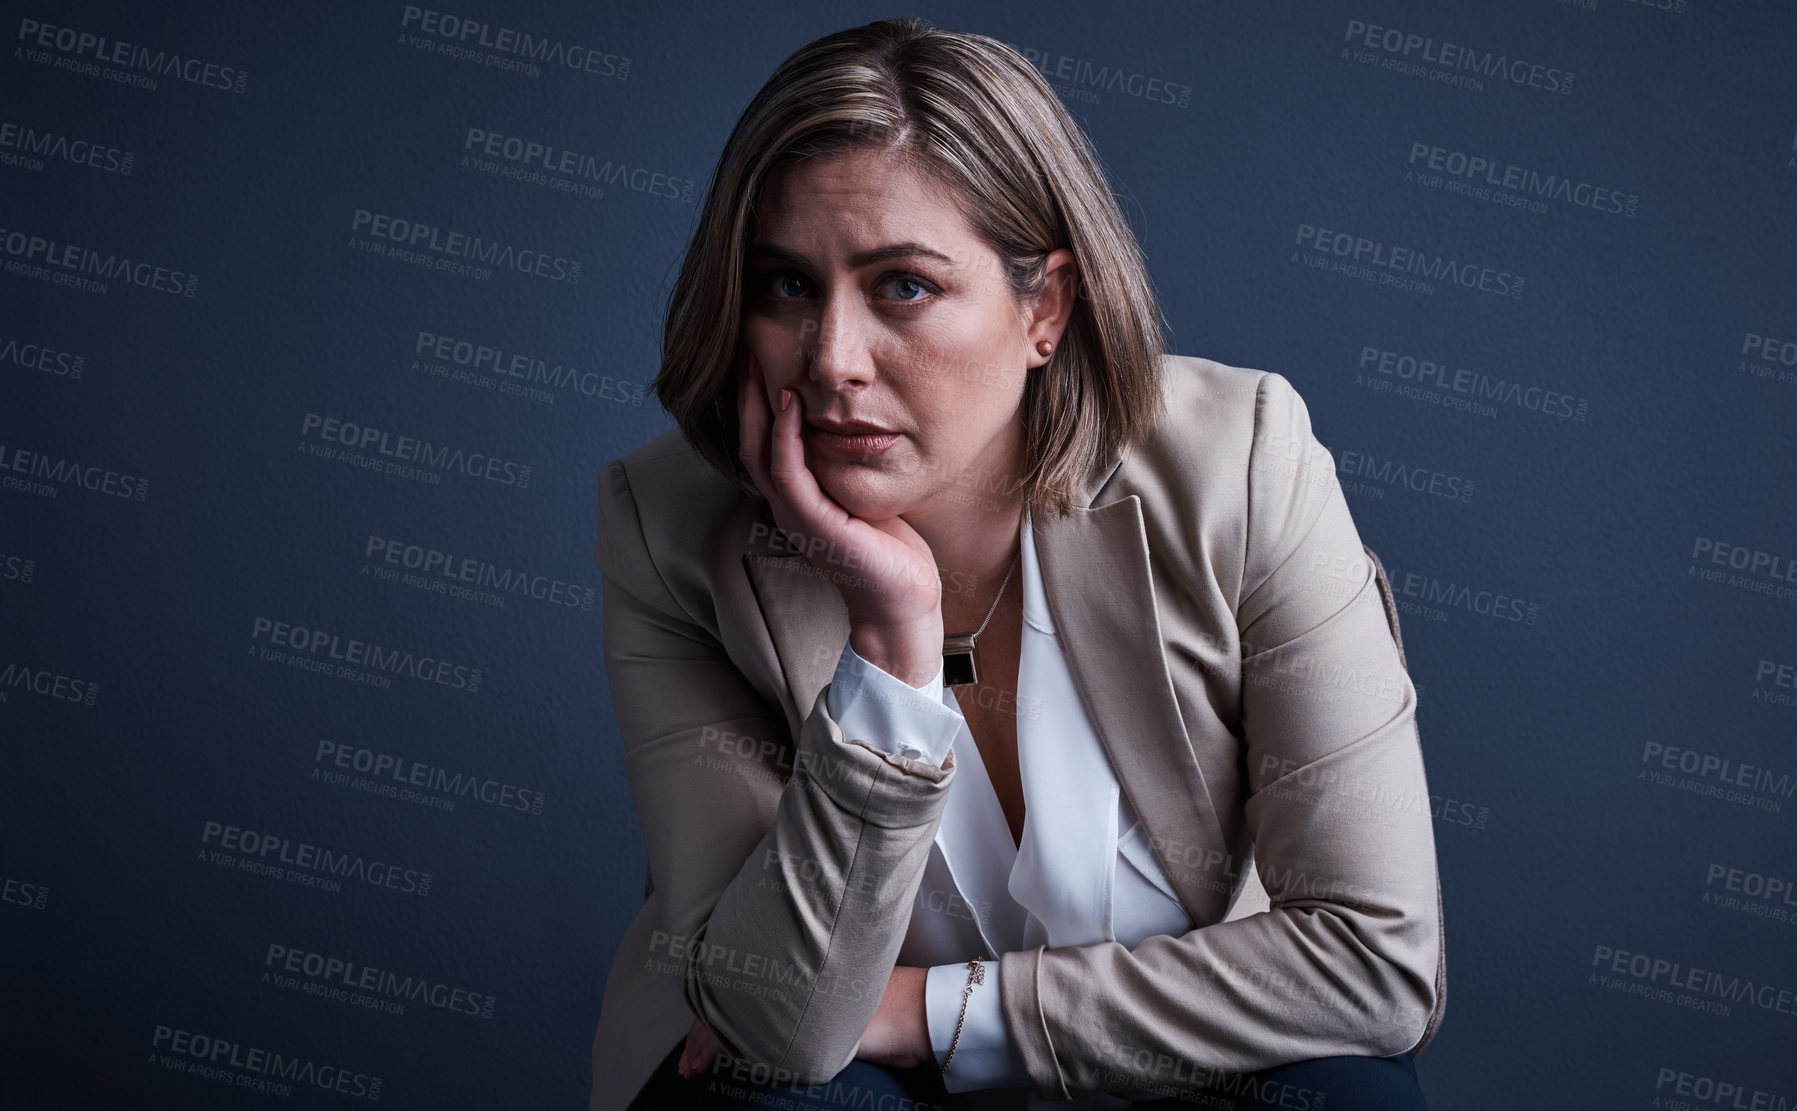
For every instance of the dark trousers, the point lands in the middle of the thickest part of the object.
(1327, 1084)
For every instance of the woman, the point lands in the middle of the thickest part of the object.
(940, 511)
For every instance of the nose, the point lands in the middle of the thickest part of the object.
(838, 346)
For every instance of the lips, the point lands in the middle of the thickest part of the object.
(850, 427)
(851, 437)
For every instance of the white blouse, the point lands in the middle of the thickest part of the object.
(983, 895)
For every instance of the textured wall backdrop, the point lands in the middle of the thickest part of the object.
(317, 322)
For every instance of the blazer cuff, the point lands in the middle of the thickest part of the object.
(1021, 1003)
(985, 1056)
(874, 706)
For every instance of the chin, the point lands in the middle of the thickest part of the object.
(866, 494)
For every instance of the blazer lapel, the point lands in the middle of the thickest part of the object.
(1100, 590)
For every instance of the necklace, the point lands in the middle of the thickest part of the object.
(957, 648)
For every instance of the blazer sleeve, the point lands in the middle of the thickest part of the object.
(1343, 962)
(783, 873)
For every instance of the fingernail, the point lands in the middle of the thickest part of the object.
(785, 399)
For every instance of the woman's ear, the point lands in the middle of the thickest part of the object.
(1052, 307)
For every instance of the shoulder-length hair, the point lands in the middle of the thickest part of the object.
(973, 113)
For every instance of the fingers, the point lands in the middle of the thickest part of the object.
(690, 1050)
(773, 451)
(700, 1051)
(812, 509)
(707, 1054)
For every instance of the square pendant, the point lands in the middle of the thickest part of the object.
(957, 661)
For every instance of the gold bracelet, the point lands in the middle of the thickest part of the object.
(975, 975)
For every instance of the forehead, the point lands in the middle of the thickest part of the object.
(857, 201)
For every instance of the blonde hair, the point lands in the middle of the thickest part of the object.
(973, 113)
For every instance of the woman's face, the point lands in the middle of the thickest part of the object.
(870, 297)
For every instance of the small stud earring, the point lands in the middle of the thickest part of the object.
(1044, 347)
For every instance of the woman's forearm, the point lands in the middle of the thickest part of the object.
(795, 957)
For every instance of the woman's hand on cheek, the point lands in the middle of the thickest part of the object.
(884, 570)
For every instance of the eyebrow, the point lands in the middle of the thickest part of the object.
(856, 262)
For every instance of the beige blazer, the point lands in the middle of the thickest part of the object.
(1235, 646)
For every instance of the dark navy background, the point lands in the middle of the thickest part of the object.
(1553, 839)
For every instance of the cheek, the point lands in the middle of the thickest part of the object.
(763, 338)
(983, 361)
(775, 337)
(977, 396)
(775, 352)
(960, 431)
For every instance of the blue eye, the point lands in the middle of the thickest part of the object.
(904, 282)
(776, 285)
(789, 285)
(911, 282)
